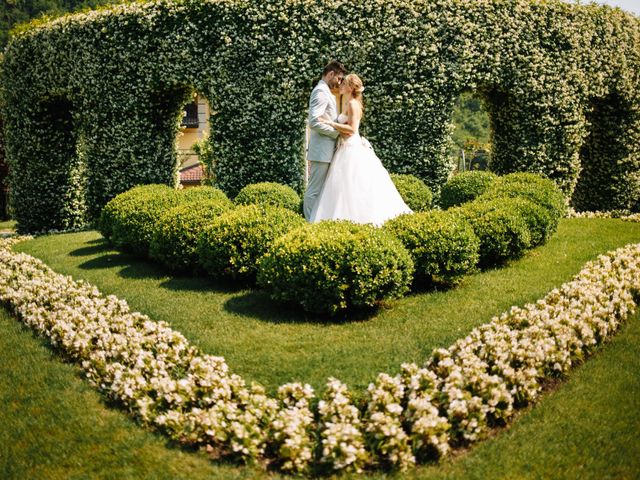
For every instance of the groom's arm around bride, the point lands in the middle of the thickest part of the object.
(322, 137)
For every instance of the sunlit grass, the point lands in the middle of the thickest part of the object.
(53, 425)
(267, 342)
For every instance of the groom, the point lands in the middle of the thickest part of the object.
(322, 138)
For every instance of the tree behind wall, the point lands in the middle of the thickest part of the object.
(13, 12)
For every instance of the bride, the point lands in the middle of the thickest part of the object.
(358, 187)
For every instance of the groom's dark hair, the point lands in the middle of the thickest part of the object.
(334, 66)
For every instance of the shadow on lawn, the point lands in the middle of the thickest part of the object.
(136, 268)
(257, 304)
(249, 302)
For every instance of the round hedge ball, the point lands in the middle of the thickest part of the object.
(175, 240)
(502, 230)
(464, 187)
(269, 193)
(533, 187)
(443, 246)
(129, 219)
(333, 266)
(234, 243)
(204, 193)
(538, 219)
(415, 193)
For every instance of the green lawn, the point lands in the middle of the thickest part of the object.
(7, 225)
(53, 425)
(263, 341)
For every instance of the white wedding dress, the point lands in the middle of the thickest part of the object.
(358, 187)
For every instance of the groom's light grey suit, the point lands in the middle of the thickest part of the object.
(322, 142)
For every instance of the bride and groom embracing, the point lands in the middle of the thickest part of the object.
(347, 181)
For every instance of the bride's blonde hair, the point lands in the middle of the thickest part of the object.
(354, 83)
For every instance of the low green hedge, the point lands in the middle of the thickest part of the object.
(501, 228)
(464, 187)
(204, 193)
(269, 193)
(534, 187)
(333, 266)
(129, 219)
(443, 246)
(538, 219)
(234, 243)
(415, 193)
(175, 240)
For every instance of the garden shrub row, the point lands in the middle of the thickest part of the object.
(332, 266)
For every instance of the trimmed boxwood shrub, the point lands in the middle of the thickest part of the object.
(415, 193)
(269, 193)
(204, 193)
(534, 187)
(233, 244)
(129, 219)
(443, 246)
(175, 240)
(464, 187)
(332, 266)
(538, 219)
(503, 232)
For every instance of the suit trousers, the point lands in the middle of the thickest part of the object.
(317, 175)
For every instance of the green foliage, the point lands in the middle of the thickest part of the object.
(465, 187)
(502, 230)
(539, 220)
(204, 193)
(15, 12)
(128, 220)
(234, 243)
(175, 239)
(443, 246)
(533, 187)
(413, 191)
(97, 105)
(333, 266)
(610, 177)
(269, 193)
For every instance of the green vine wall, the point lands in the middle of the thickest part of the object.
(93, 101)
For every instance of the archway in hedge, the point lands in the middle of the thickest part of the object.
(609, 153)
(127, 71)
(60, 134)
(472, 135)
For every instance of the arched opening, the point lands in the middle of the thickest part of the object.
(471, 139)
(195, 165)
(4, 173)
(609, 157)
(57, 164)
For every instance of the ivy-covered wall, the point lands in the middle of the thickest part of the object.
(93, 101)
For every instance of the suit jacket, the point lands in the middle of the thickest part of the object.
(322, 137)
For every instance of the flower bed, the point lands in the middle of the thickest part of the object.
(621, 214)
(417, 415)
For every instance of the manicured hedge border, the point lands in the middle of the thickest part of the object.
(420, 414)
(98, 99)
